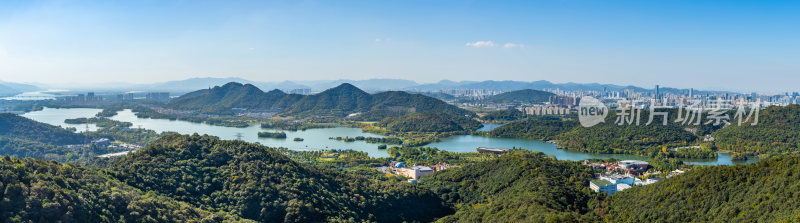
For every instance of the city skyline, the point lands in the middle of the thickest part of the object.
(733, 45)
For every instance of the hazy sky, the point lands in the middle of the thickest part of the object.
(744, 45)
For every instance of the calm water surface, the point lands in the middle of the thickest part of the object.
(56, 116)
(489, 127)
(316, 139)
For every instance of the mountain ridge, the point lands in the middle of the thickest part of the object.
(529, 96)
(339, 101)
(369, 85)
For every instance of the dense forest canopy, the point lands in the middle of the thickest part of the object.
(538, 127)
(46, 191)
(517, 187)
(777, 131)
(766, 191)
(652, 140)
(256, 182)
(22, 137)
(19, 127)
(505, 115)
(430, 122)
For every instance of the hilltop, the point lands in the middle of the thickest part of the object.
(765, 191)
(528, 96)
(777, 131)
(517, 187)
(338, 101)
(430, 122)
(259, 183)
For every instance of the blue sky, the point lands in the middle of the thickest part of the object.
(738, 45)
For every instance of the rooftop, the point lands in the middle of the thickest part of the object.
(616, 176)
(421, 168)
(633, 162)
(600, 183)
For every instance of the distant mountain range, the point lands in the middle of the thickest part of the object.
(9, 89)
(369, 85)
(378, 85)
(338, 101)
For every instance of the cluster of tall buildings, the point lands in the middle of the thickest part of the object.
(672, 98)
(92, 98)
(83, 98)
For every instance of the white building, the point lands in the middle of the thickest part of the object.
(618, 179)
(415, 172)
(611, 183)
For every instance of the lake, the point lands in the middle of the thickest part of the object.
(317, 139)
(314, 139)
(56, 116)
(489, 127)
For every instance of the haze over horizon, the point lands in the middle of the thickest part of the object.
(732, 45)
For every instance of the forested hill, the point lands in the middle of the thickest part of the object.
(430, 122)
(777, 131)
(766, 191)
(610, 137)
(256, 182)
(539, 127)
(522, 96)
(339, 101)
(18, 127)
(517, 187)
(34, 190)
(22, 137)
(221, 99)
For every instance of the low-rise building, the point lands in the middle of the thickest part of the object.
(631, 164)
(618, 179)
(415, 172)
(600, 185)
(675, 173)
(442, 166)
(621, 187)
(611, 183)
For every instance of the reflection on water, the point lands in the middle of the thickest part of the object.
(489, 127)
(313, 139)
(316, 139)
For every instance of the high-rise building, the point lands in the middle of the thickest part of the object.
(656, 95)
